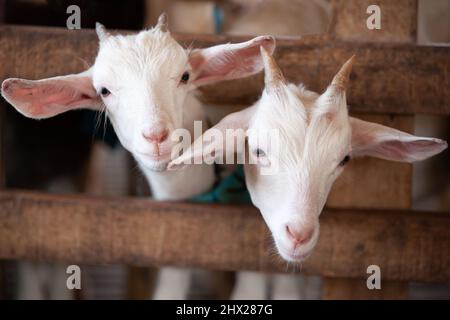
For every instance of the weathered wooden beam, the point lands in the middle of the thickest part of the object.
(2, 112)
(2, 144)
(2, 185)
(398, 23)
(388, 77)
(2, 167)
(398, 20)
(75, 229)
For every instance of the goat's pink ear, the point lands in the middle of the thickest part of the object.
(229, 61)
(40, 99)
(212, 143)
(375, 140)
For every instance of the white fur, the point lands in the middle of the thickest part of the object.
(316, 135)
(142, 73)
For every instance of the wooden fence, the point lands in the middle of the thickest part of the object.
(406, 245)
(367, 220)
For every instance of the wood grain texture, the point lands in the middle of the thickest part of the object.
(398, 24)
(3, 105)
(74, 229)
(2, 116)
(387, 77)
(356, 289)
(139, 283)
(398, 20)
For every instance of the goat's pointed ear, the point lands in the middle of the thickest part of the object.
(46, 98)
(229, 61)
(212, 143)
(375, 140)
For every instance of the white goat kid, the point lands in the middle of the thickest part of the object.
(144, 83)
(318, 138)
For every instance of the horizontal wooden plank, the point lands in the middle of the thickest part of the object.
(398, 20)
(387, 77)
(75, 229)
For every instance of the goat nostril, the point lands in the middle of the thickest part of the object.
(299, 237)
(6, 85)
(164, 135)
(158, 136)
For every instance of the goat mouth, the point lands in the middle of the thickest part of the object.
(164, 157)
(297, 257)
(293, 256)
(156, 165)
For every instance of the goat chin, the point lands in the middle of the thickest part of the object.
(158, 166)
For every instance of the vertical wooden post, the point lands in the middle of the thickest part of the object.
(2, 163)
(2, 112)
(139, 283)
(398, 24)
(141, 280)
(2, 152)
(2, 185)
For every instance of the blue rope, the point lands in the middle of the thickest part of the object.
(232, 189)
(218, 19)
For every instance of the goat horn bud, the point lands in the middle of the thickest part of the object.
(102, 33)
(341, 79)
(273, 75)
(163, 22)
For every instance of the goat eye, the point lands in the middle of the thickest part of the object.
(260, 153)
(185, 77)
(104, 92)
(344, 161)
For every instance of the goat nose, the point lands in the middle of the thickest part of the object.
(156, 134)
(299, 235)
